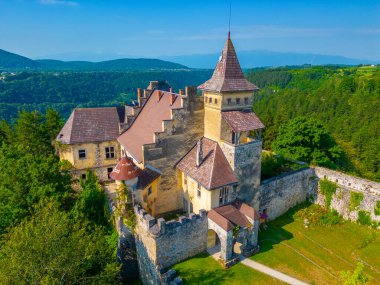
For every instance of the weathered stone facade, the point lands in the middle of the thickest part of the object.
(245, 160)
(346, 184)
(161, 244)
(280, 193)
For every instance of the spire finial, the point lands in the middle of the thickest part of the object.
(229, 24)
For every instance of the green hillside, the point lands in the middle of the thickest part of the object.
(345, 100)
(15, 61)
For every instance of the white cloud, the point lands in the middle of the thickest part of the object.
(58, 2)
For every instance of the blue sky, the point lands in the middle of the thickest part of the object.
(37, 28)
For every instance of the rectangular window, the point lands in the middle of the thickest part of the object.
(229, 101)
(83, 176)
(216, 101)
(210, 100)
(246, 100)
(199, 190)
(237, 101)
(82, 153)
(224, 195)
(206, 99)
(149, 190)
(110, 152)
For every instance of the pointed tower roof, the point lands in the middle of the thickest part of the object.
(227, 76)
(125, 170)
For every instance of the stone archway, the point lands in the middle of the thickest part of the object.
(213, 243)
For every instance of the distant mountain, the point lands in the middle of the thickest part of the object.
(11, 61)
(259, 58)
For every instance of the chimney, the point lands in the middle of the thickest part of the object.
(139, 96)
(181, 92)
(171, 90)
(199, 158)
(172, 98)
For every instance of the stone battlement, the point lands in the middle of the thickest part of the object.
(158, 227)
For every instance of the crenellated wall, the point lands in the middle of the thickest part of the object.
(161, 244)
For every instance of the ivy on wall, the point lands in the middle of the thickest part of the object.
(355, 199)
(328, 189)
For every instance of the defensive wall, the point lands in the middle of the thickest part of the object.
(161, 244)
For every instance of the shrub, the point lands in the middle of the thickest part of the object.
(330, 218)
(377, 208)
(328, 189)
(355, 200)
(356, 278)
(364, 218)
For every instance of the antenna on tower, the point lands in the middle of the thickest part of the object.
(229, 24)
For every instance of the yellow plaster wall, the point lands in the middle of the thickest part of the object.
(149, 201)
(70, 153)
(209, 198)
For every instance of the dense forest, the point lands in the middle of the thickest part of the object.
(64, 91)
(49, 233)
(345, 101)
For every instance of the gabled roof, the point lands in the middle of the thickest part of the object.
(233, 214)
(228, 76)
(214, 171)
(92, 125)
(149, 121)
(125, 170)
(242, 121)
(147, 176)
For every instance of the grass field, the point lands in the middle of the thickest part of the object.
(315, 255)
(319, 253)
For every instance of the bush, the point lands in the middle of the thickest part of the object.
(328, 189)
(364, 218)
(330, 218)
(377, 208)
(355, 200)
(356, 278)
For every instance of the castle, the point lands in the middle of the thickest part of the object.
(199, 156)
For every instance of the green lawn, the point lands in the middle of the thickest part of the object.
(203, 269)
(315, 255)
(319, 253)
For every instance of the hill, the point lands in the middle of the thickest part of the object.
(345, 100)
(10, 60)
(13, 62)
(257, 58)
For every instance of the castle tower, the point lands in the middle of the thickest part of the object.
(230, 122)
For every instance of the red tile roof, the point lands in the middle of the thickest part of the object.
(233, 214)
(125, 170)
(214, 171)
(91, 125)
(149, 121)
(242, 121)
(227, 76)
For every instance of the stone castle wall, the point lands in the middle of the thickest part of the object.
(345, 185)
(245, 160)
(162, 244)
(280, 193)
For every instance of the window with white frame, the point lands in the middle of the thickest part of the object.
(224, 194)
(199, 190)
(110, 152)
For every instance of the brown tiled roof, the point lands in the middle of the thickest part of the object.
(233, 214)
(242, 121)
(227, 76)
(214, 171)
(224, 223)
(147, 176)
(148, 121)
(91, 125)
(125, 170)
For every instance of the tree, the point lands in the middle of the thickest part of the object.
(306, 139)
(51, 248)
(355, 278)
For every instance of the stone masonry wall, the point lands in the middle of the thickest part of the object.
(245, 160)
(280, 193)
(346, 184)
(161, 244)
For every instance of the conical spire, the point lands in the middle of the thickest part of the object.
(228, 76)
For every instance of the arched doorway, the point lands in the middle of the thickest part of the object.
(213, 242)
